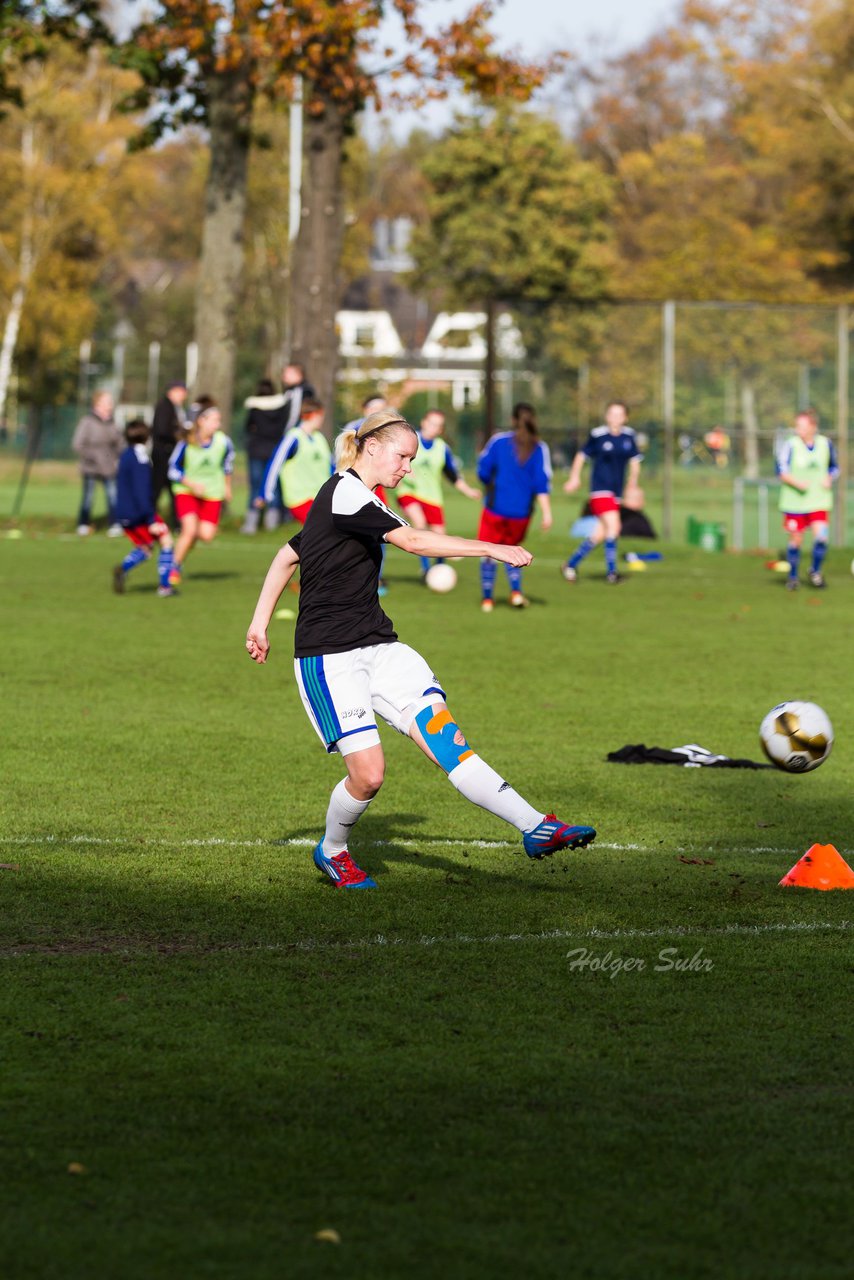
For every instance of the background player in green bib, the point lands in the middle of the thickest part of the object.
(807, 467)
(200, 470)
(420, 493)
(304, 460)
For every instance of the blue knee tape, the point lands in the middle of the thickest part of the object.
(444, 738)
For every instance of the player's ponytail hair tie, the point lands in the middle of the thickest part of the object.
(350, 442)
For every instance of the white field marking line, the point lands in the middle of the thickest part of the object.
(298, 842)
(379, 940)
(563, 935)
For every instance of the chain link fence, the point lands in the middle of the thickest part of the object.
(712, 387)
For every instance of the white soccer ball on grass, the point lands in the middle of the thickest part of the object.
(441, 578)
(796, 736)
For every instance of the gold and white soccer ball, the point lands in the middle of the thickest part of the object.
(796, 736)
(441, 578)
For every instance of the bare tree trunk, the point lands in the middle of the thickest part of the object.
(750, 425)
(221, 267)
(316, 277)
(26, 265)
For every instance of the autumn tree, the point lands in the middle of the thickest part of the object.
(208, 62)
(723, 179)
(514, 215)
(62, 144)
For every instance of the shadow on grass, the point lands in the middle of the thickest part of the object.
(393, 841)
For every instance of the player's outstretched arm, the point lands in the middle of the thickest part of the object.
(278, 576)
(422, 542)
(466, 489)
(574, 480)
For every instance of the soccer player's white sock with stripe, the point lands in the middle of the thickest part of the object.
(343, 813)
(479, 783)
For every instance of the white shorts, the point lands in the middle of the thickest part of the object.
(344, 692)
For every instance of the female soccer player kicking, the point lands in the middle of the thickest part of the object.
(350, 666)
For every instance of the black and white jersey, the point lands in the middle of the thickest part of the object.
(340, 552)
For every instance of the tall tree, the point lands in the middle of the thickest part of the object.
(207, 61)
(61, 147)
(514, 215)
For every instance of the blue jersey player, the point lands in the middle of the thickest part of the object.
(516, 470)
(611, 450)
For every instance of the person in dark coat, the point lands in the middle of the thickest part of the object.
(266, 422)
(270, 416)
(169, 420)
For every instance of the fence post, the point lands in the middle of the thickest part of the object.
(153, 371)
(841, 521)
(668, 319)
(762, 502)
(738, 513)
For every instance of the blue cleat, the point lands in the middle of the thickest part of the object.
(342, 870)
(551, 836)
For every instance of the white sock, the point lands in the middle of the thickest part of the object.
(475, 780)
(343, 813)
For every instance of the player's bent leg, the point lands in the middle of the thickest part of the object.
(611, 530)
(438, 735)
(207, 531)
(365, 772)
(570, 569)
(487, 583)
(793, 555)
(349, 800)
(819, 551)
(186, 539)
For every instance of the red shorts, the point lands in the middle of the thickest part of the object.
(207, 509)
(604, 502)
(432, 513)
(507, 531)
(301, 510)
(796, 523)
(141, 535)
(381, 494)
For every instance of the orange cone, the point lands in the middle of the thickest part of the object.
(821, 867)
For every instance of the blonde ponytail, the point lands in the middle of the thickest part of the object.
(380, 425)
(346, 449)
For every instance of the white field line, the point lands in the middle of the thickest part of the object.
(568, 935)
(297, 842)
(379, 940)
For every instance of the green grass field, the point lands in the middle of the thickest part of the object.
(240, 1057)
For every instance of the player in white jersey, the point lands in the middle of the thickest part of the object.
(349, 664)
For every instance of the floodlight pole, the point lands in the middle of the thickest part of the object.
(842, 356)
(668, 320)
(489, 371)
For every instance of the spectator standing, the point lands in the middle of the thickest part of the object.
(166, 427)
(98, 442)
(287, 409)
(266, 425)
